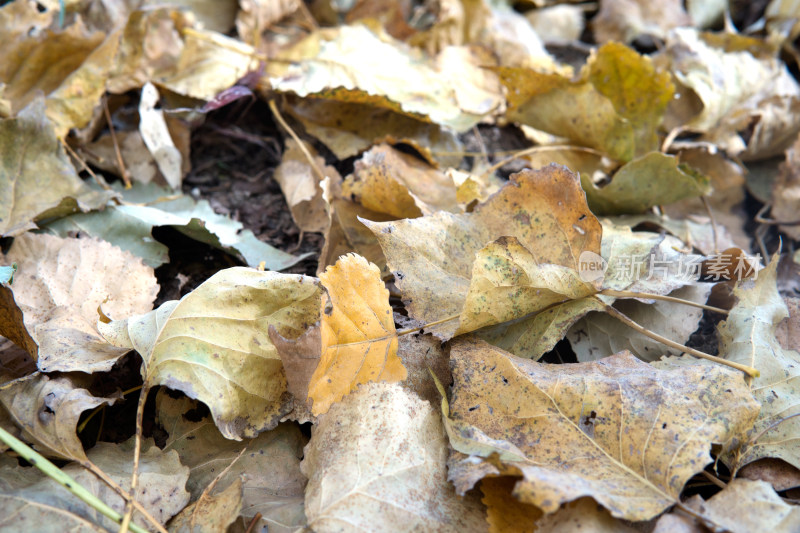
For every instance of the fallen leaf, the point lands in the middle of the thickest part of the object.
(129, 226)
(778, 473)
(625, 20)
(504, 513)
(37, 180)
(31, 497)
(47, 410)
(215, 339)
(739, 91)
(300, 358)
(376, 460)
(653, 179)
(616, 104)
(255, 16)
(388, 181)
(59, 286)
(788, 331)
(212, 514)
(212, 14)
(583, 514)
(432, 257)
(598, 335)
(273, 484)
(348, 129)
(359, 343)
(786, 191)
(155, 134)
(748, 337)
(745, 506)
(599, 429)
(358, 66)
(301, 187)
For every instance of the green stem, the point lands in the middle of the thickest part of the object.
(60, 477)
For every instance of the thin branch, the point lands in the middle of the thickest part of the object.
(300, 143)
(750, 371)
(648, 296)
(137, 450)
(126, 177)
(713, 222)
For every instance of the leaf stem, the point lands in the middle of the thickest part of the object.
(300, 143)
(750, 371)
(137, 450)
(62, 478)
(629, 294)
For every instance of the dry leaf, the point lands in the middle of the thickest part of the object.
(388, 181)
(33, 498)
(358, 66)
(301, 187)
(273, 484)
(255, 16)
(155, 134)
(37, 179)
(212, 514)
(47, 410)
(359, 343)
(748, 337)
(214, 345)
(609, 430)
(59, 286)
(778, 473)
(376, 460)
(582, 515)
(505, 513)
(786, 191)
(625, 20)
(745, 506)
(432, 257)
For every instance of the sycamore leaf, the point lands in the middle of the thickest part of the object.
(376, 460)
(59, 286)
(355, 65)
(359, 343)
(37, 179)
(214, 344)
(212, 514)
(609, 430)
(48, 411)
(745, 506)
(273, 484)
(653, 179)
(615, 106)
(748, 337)
(433, 258)
(30, 497)
(388, 181)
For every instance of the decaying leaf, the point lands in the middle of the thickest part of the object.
(37, 179)
(786, 191)
(59, 286)
(28, 496)
(615, 106)
(301, 187)
(505, 513)
(583, 514)
(47, 410)
(433, 258)
(745, 506)
(214, 344)
(155, 134)
(212, 514)
(355, 65)
(609, 430)
(273, 484)
(377, 461)
(359, 343)
(625, 20)
(748, 336)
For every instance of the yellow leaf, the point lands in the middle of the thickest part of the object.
(610, 429)
(359, 343)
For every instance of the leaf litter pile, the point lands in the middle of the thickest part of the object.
(457, 265)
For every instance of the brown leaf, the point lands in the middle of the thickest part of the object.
(59, 286)
(625, 20)
(212, 514)
(300, 358)
(359, 343)
(505, 513)
(599, 429)
(376, 460)
(745, 506)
